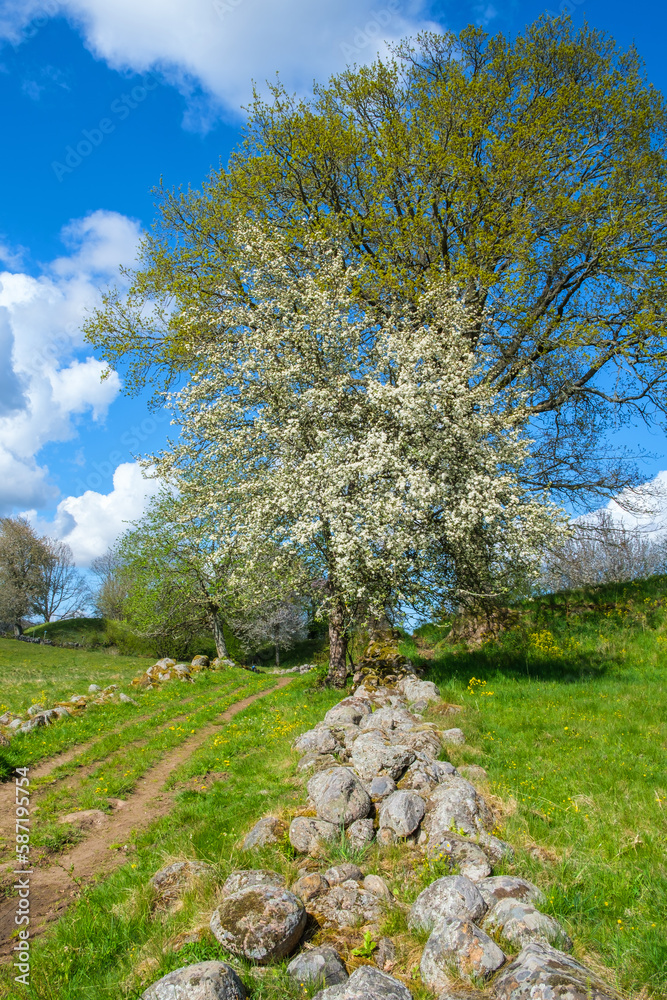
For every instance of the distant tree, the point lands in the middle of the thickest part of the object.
(22, 558)
(114, 584)
(281, 623)
(60, 591)
(599, 549)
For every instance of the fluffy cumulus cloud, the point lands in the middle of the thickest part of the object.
(48, 379)
(90, 523)
(222, 45)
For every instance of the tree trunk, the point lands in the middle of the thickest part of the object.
(18, 629)
(337, 650)
(277, 655)
(218, 635)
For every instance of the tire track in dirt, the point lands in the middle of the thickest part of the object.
(53, 889)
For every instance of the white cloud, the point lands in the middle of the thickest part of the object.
(93, 521)
(222, 45)
(643, 509)
(47, 377)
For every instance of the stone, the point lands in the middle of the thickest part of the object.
(361, 833)
(248, 878)
(94, 688)
(320, 740)
(200, 661)
(268, 830)
(453, 897)
(460, 944)
(87, 819)
(496, 849)
(377, 885)
(419, 707)
(61, 712)
(373, 755)
(15, 724)
(339, 796)
(510, 887)
(316, 762)
(465, 854)
(5, 740)
(456, 807)
(367, 983)
(424, 775)
(165, 663)
(473, 772)
(322, 966)
(347, 905)
(415, 690)
(5, 718)
(384, 955)
(540, 972)
(519, 923)
(380, 787)
(348, 710)
(402, 812)
(389, 718)
(454, 737)
(343, 872)
(306, 834)
(126, 700)
(169, 882)
(203, 981)
(424, 742)
(386, 837)
(309, 887)
(35, 710)
(262, 923)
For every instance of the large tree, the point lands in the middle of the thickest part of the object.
(359, 446)
(60, 591)
(531, 172)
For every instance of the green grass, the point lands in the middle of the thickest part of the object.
(568, 714)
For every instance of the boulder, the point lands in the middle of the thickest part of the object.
(165, 663)
(367, 983)
(268, 830)
(348, 710)
(94, 688)
(361, 833)
(316, 762)
(35, 710)
(323, 966)
(510, 887)
(424, 775)
(389, 718)
(454, 737)
(319, 740)
(347, 905)
(462, 945)
(170, 882)
(540, 971)
(341, 873)
(200, 661)
(453, 897)
(248, 878)
(203, 981)
(415, 690)
(425, 741)
(309, 887)
(339, 796)
(496, 850)
(306, 834)
(520, 923)
(377, 885)
(468, 857)
(374, 755)
(402, 812)
(380, 787)
(263, 923)
(473, 772)
(126, 700)
(456, 806)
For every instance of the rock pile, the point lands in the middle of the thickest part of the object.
(373, 774)
(167, 669)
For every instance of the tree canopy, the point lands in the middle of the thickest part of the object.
(529, 172)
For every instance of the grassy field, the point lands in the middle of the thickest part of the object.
(567, 713)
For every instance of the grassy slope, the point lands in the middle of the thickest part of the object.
(568, 714)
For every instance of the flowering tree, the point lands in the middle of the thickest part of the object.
(282, 623)
(357, 444)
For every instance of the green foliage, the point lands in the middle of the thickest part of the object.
(367, 948)
(530, 171)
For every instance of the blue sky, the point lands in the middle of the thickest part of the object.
(147, 89)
